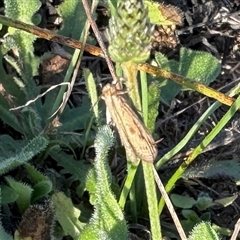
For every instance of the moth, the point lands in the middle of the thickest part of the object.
(136, 139)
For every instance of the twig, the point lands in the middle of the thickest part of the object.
(39, 96)
(236, 230)
(46, 34)
(100, 41)
(169, 205)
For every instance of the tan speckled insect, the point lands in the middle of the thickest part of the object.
(134, 136)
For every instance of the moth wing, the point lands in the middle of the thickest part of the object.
(134, 133)
(115, 106)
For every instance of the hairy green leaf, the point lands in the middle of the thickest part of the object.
(75, 119)
(92, 90)
(78, 169)
(35, 175)
(41, 190)
(203, 231)
(204, 201)
(153, 102)
(19, 154)
(67, 215)
(108, 217)
(18, 9)
(182, 201)
(24, 193)
(91, 185)
(8, 195)
(169, 89)
(190, 215)
(74, 18)
(198, 66)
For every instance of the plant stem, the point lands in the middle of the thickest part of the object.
(220, 125)
(152, 200)
(130, 75)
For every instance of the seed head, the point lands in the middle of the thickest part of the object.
(130, 32)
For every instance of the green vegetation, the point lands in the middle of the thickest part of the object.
(43, 150)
